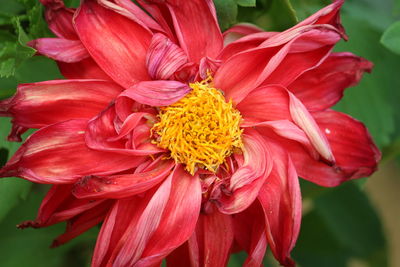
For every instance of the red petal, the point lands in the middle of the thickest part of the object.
(280, 198)
(40, 104)
(116, 43)
(323, 86)
(156, 224)
(248, 178)
(240, 30)
(59, 19)
(279, 60)
(249, 227)
(58, 154)
(157, 93)
(85, 69)
(60, 49)
(102, 135)
(164, 58)
(196, 27)
(355, 153)
(83, 222)
(123, 185)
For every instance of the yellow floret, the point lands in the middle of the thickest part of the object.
(201, 129)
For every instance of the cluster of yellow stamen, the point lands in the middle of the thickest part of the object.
(201, 129)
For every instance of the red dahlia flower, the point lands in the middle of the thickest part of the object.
(186, 143)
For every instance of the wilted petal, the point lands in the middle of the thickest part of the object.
(60, 49)
(280, 198)
(164, 58)
(58, 154)
(40, 104)
(116, 43)
(198, 17)
(83, 222)
(157, 93)
(323, 86)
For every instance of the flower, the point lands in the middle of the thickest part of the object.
(184, 142)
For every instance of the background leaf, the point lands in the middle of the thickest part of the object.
(391, 38)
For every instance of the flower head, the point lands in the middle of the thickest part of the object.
(185, 142)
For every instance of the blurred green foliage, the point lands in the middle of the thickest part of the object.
(341, 224)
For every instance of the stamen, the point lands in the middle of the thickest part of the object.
(201, 129)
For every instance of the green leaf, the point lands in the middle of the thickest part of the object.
(30, 247)
(282, 14)
(348, 213)
(391, 38)
(227, 11)
(246, 3)
(342, 226)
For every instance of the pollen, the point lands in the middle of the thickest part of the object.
(201, 129)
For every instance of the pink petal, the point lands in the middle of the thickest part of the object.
(130, 10)
(40, 104)
(117, 44)
(279, 60)
(60, 49)
(122, 185)
(59, 19)
(306, 122)
(248, 178)
(84, 69)
(323, 86)
(164, 58)
(280, 198)
(198, 17)
(58, 154)
(155, 225)
(157, 93)
(249, 227)
(238, 31)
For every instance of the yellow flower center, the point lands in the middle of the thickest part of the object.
(201, 129)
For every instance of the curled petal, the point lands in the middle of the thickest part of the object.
(157, 93)
(63, 146)
(116, 43)
(247, 180)
(280, 198)
(40, 104)
(196, 16)
(59, 19)
(164, 58)
(60, 49)
(208, 66)
(323, 86)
